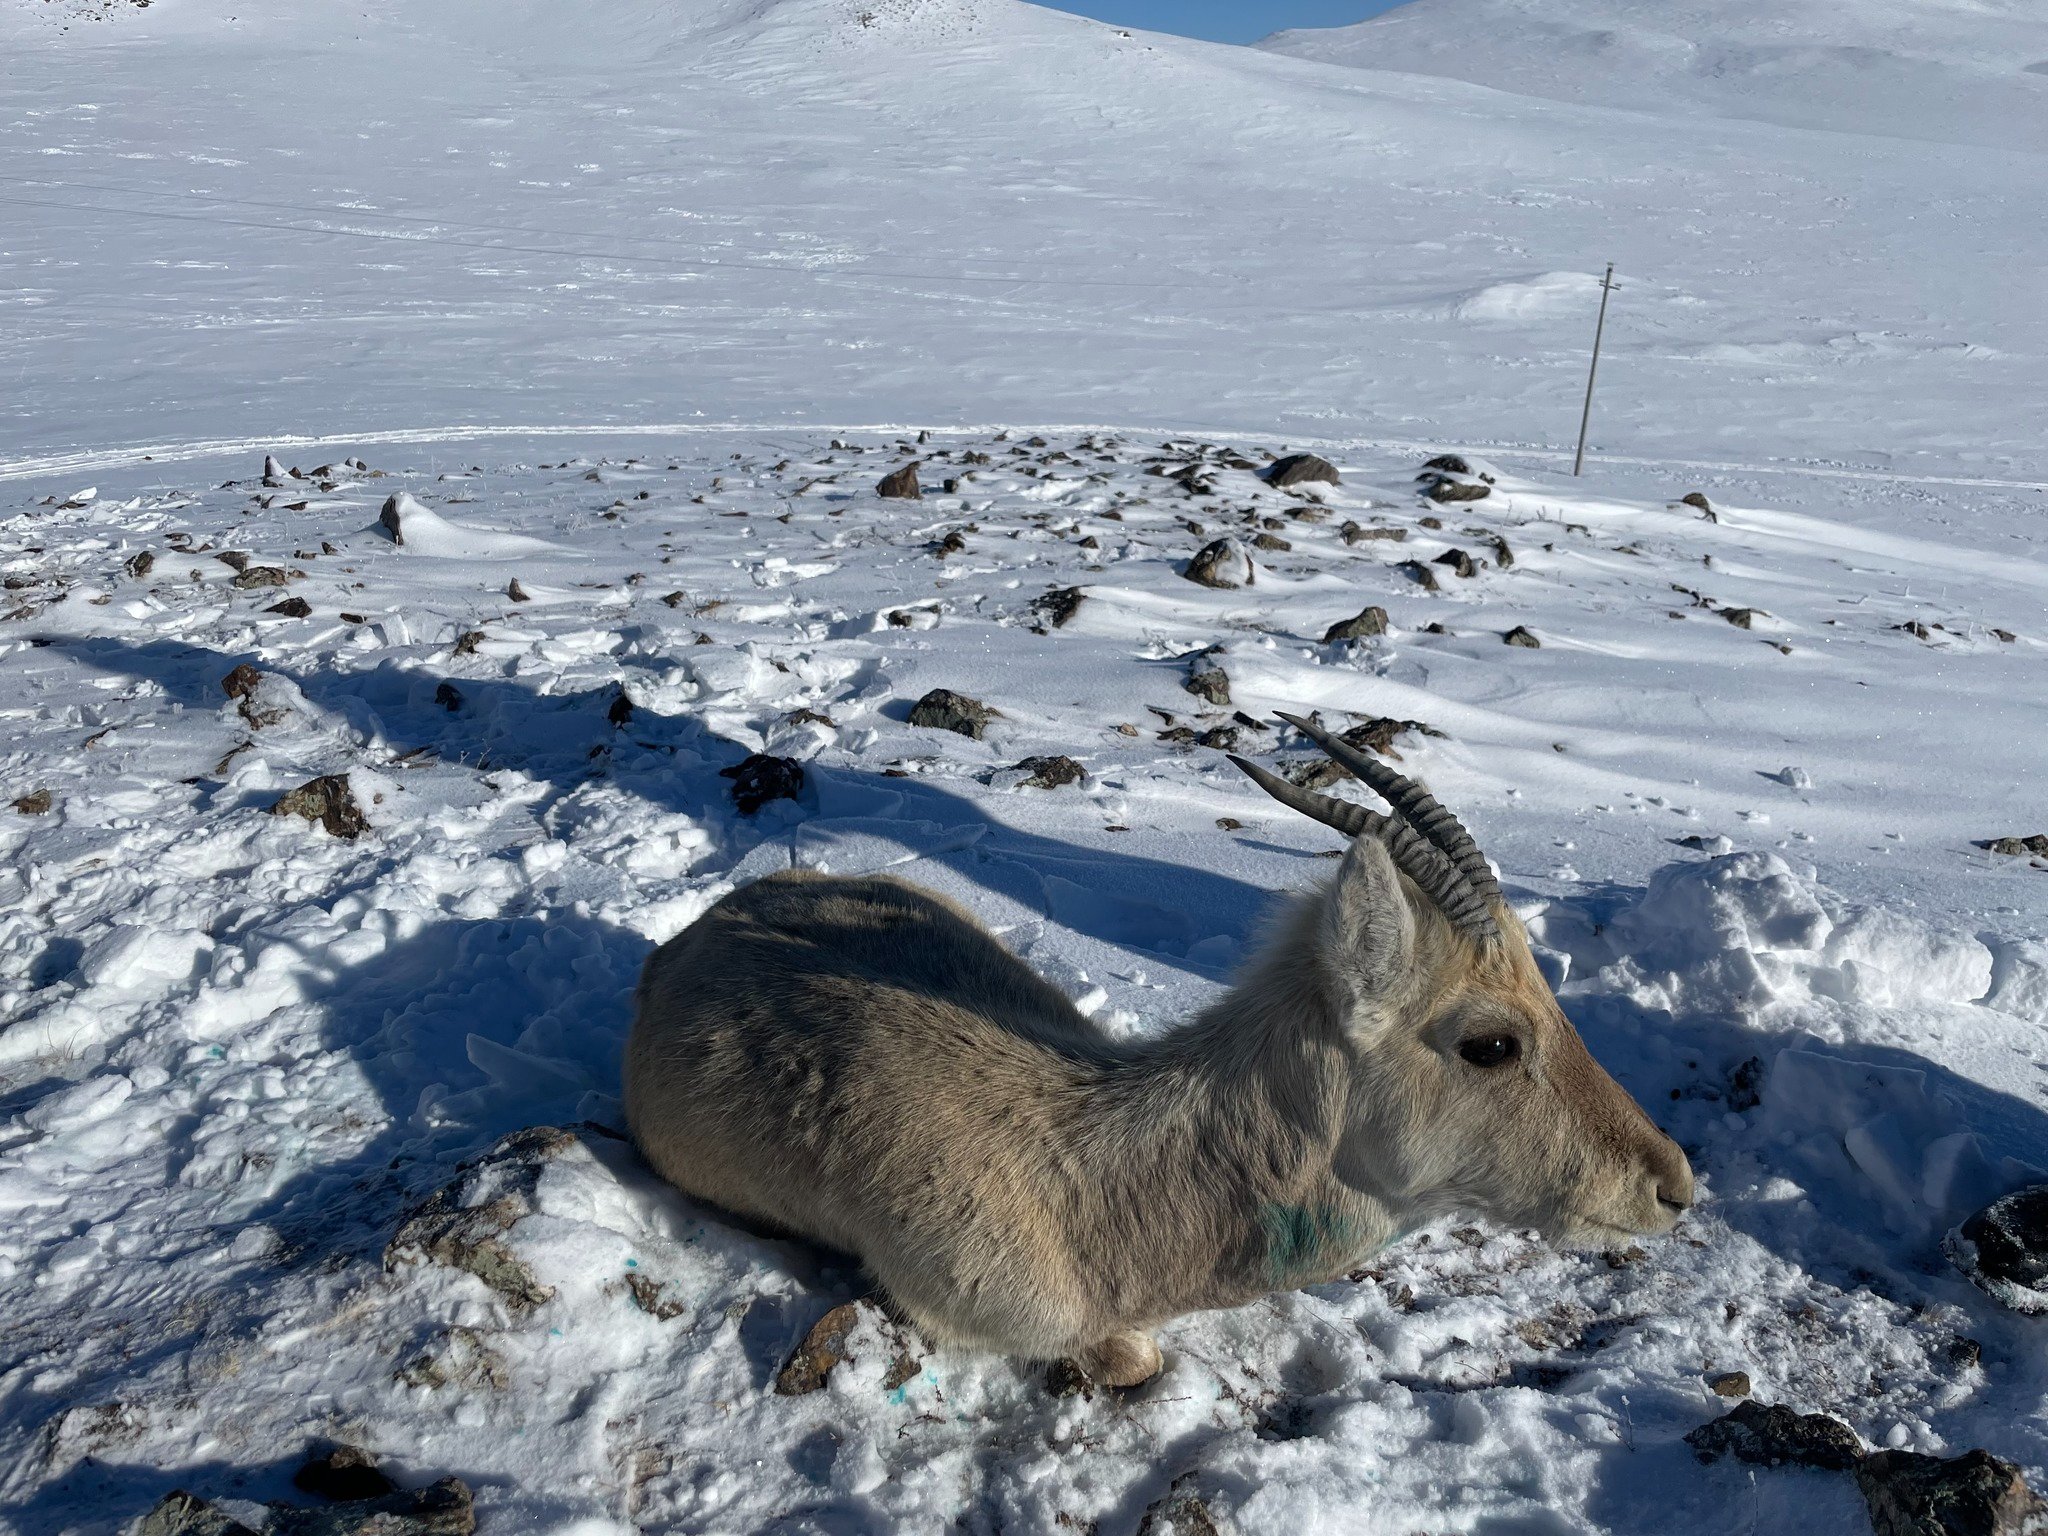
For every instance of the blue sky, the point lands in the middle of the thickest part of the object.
(1226, 21)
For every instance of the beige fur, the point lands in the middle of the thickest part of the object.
(857, 1061)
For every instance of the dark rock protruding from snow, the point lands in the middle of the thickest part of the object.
(462, 1224)
(274, 473)
(1301, 469)
(444, 1509)
(1059, 605)
(327, 800)
(902, 485)
(1774, 1435)
(2034, 846)
(1211, 683)
(179, 1513)
(2004, 1249)
(292, 608)
(1697, 501)
(1052, 772)
(1520, 635)
(1457, 464)
(1975, 1494)
(343, 1472)
(392, 516)
(1368, 623)
(1445, 488)
(830, 1344)
(516, 592)
(1221, 563)
(36, 802)
(1458, 560)
(944, 710)
(762, 778)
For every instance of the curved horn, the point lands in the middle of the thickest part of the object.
(1418, 859)
(1414, 805)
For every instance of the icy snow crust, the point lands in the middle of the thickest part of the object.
(540, 264)
(238, 1051)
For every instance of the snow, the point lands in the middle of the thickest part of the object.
(587, 298)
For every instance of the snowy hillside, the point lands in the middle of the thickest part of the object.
(615, 318)
(1954, 71)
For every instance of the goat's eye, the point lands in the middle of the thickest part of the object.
(1490, 1050)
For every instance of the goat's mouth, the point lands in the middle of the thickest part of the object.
(1594, 1234)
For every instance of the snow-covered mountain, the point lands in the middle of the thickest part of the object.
(624, 310)
(1957, 71)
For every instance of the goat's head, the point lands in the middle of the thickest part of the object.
(1471, 1090)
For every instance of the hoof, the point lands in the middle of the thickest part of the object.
(1127, 1359)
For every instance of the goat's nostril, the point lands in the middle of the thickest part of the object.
(1677, 1204)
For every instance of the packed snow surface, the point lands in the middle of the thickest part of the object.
(624, 311)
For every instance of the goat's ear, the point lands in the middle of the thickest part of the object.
(1366, 934)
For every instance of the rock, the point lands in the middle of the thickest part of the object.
(620, 712)
(242, 682)
(1458, 561)
(1912, 627)
(944, 710)
(1794, 778)
(1377, 736)
(140, 564)
(258, 576)
(457, 1358)
(1746, 1085)
(441, 1510)
(1519, 635)
(2004, 1249)
(1418, 573)
(516, 592)
(1179, 1514)
(1219, 738)
(1457, 464)
(1503, 556)
(901, 486)
(1301, 469)
(327, 800)
(828, 1344)
(1058, 606)
(391, 517)
(1221, 563)
(449, 697)
(1697, 500)
(292, 608)
(2035, 846)
(762, 778)
(1771, 1436)
(1743, 618)
(1444, 489)
(463, 1223)
(465, 643)
(1210, 683)
(342, 1472)
(1358, 533)
(1272, 542)
(1052, 772)
(1975, 1494)
(179, 1513)
(36, 802)
(1368, 623)
(1729, 1384)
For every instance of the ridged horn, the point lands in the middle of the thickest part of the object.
(1417, 858)
(1414, 805)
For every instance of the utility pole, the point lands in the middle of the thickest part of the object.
(1607, 286)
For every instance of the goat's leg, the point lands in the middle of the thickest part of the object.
(1124, 1359)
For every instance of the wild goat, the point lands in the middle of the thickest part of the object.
(859, 1062)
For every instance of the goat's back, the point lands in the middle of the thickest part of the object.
(858, 1061)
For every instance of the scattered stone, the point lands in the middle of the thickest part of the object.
(1458, 561)
(342, 1472)
(516, 592)
(1743, 618)
(1052, 772)
(292, 608)
(1418, 573)
(675, 599)
(902, 485)
(1210, 683)
(1063, 1378)
(352, 618)
(1301, 469)
(1746, 1085)
(36, 802)
(1965, 1354)
(1179, 1514)
(1368, 623)
(1377, 736)
(762, 778)
(179, 1513)
(2004, 634)
(328, 801)
(1912, 627)
(1221, 563)
(140, 564)
(398, 506)
(2035, 846)
(274, 474)
(463, 1223)
(1058, 606)
(449, 697)
(2004, 1249)
(257, 576)
(1503, 556)
(955, 542)
(944, 710)
(1975, 1494)
(457, 1358)
(1358, 533)
(1698, 501)
(1444, 489)
(465, 643)
(1773, 1435)
(1729, 1384)
(621, 711)
(828, 1345)
(233, 559)
(443, 1509)
(1456, 464)
(1272, 542)
(1520, 635)
(1219, 738)
(1229, 824)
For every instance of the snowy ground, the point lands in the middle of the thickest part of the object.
(480, 249)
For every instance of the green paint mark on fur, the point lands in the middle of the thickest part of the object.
(1305, 1242)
